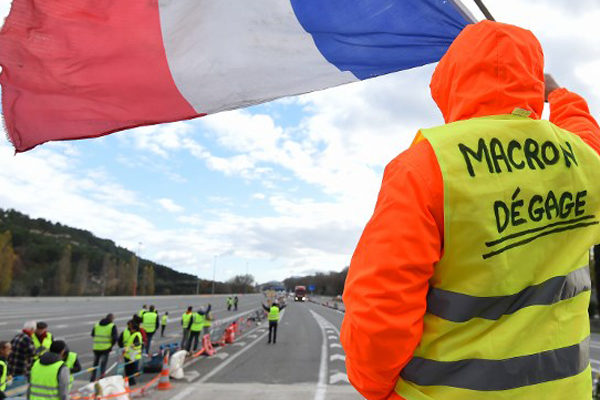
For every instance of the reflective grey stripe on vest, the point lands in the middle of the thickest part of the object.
(487, 375)
(460, 307)
(49, 388)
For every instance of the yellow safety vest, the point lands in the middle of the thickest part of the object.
(43, 383)
(208, 318)
(141, 312)
(273, 313)
(134, 351)
(164, 320)
(46, 343)
(70, 363)
(102, 336)
(149, 321)
(126, 335)
(197, 322)
(4, 376)
(186, 318)
(507, 310)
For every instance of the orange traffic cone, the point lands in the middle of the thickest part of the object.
(127, 389)
(164, 383)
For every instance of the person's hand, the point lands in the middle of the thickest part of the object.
(551, 85)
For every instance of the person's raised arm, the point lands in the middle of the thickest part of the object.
(570, 111)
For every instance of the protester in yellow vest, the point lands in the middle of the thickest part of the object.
(49, 378)
(5, 350)
(150, 324)
(133, 352)
(72, 362)
(196, 327)
(105, 335)
(163, 323)
(273, 317)
(186, 320)
(42, 339)
(470, 281)
(142, 311)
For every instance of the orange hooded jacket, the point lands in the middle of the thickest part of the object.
(490, 69)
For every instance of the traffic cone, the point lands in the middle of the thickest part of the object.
(164, 383)
(127, 389)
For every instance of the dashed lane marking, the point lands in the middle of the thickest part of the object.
(337, 357)
(338, 377)
(332, 345)
(241, 344)
(191, 375)
(332, 337)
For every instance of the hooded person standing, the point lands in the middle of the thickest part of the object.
(470, 281)
(50, 376)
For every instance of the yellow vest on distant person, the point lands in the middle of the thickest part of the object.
(507, 310)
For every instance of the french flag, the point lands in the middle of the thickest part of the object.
(84, 68)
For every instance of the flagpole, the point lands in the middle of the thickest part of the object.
(484, 10)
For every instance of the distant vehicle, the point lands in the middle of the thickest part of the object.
(300, 293)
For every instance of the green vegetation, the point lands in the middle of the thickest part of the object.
(41, 258)
(330, 284)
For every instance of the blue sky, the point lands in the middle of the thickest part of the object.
(280, 189)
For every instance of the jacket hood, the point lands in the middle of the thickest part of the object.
(49, 358)
(490, 69)
(104, 321)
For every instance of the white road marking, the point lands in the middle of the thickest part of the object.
(331, 337)
(337, 357)
(332, 345)
(241, 344)
(221, 355)
(338, 377)
(61, 326)
(322, 383)
(190, 376)
(183, 394)
(252, 336)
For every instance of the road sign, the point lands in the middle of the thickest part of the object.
(311, 288)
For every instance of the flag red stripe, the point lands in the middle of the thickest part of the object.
(84, 68)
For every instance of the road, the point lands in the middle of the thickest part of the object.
(306, 363)
(72, 319)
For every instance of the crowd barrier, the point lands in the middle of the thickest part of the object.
(221, 334)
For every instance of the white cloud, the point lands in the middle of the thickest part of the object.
(170, 205)
(338, 150)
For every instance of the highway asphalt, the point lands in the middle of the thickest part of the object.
(307, 362)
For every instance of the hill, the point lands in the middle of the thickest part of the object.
(42, 258)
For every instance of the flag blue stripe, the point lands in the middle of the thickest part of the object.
(370, 38)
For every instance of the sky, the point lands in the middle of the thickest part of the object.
(275, 190)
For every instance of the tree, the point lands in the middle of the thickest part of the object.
(126, 276)
(7, 259)
(62, 278)
(81, 277)
(148, 280)
(241, 284)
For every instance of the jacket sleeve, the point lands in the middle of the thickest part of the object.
(63, 383)
(114, 335)
(570, 111)
(77, 367)
(387, 283)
